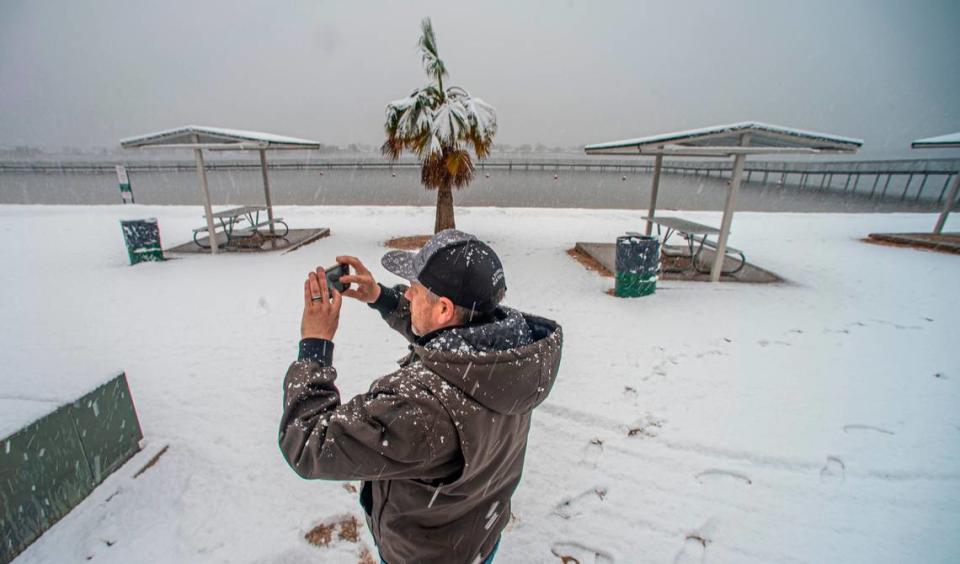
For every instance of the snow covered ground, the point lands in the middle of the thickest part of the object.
(814, 421)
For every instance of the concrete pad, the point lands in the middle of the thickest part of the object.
(606, 253)
(295, 239)
(943, 242)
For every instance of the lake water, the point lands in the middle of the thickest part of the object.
(517, 188)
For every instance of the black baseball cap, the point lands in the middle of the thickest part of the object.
(456, 266)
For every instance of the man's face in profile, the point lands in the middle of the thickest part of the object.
(421, 310)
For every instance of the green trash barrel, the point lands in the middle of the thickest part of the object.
(142, 237)
(638, 260)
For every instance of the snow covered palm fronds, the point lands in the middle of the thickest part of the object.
(440, 125)
(428, 52)
(430, 120)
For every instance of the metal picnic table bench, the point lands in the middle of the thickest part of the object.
(697, 237)
(247, 235)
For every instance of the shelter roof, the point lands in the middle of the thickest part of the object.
(216, 138)
(940, 142)
(724, 140)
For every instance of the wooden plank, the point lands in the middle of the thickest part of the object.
(237, 212)
(686, 226)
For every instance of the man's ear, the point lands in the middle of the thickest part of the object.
(446, 312)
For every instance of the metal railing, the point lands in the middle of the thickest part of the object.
(913, 180)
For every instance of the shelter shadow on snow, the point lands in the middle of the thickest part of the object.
(604, 255)
(295, 239)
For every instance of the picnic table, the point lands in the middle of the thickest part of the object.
(696, 237)
(243, 227)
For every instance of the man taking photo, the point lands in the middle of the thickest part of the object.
(440, 442)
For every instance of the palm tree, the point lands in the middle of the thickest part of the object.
(440, 126)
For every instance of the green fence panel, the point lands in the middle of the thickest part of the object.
(52, 464)
(44, 474)
(108, 427)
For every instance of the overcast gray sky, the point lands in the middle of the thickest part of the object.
(561, 73)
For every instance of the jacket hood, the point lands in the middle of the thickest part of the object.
(508, 365)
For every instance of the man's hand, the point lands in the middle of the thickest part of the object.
(321, 308)
(367, 289)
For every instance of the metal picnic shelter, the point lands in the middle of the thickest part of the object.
(735, 140)
(199, 138)
(949, 141)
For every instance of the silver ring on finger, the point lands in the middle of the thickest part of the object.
(316, 298)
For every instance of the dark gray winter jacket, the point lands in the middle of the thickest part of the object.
(440, 442)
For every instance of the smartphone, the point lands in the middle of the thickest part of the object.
(333, 276)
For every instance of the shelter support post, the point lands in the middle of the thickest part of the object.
(948, 204)
(728, 209)
(205, 194)
(266, 188)
(657, 167)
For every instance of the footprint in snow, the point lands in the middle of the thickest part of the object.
(659, 369)
(899, 326)
(646, 426)
(106, 542)
(662, 367)
(711, 352)
(262, 305)
(858, 428)
(767, 343)
(576, 553)
(580, 503)
(715, 475)
(694, 550)
(592, 452)
(834, 471)
(845, 330)
(695, 544)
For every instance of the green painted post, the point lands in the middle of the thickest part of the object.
(124, 180)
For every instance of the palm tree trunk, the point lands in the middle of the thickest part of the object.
(444, 209)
